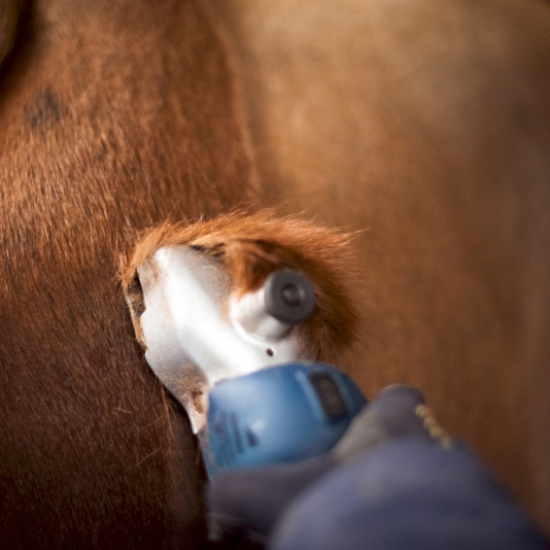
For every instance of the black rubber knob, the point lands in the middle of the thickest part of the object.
(289, 296)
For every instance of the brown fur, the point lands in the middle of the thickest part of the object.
(252, 246)
(114, 116)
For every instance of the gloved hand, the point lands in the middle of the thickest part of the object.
(394, 481)
(245, 504)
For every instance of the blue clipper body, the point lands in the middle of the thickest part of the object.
(279, 414)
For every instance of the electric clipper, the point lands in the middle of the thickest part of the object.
(239, 364)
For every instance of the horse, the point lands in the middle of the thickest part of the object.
(420, 123)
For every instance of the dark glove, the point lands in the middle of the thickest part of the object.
(246, 504)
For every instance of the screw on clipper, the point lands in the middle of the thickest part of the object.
(285, 299)
(289, 296)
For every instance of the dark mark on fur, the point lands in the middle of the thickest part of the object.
(45, 111)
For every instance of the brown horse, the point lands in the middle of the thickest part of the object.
(427, 124)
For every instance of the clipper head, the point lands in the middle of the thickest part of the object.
(196, 331)
(233, 295)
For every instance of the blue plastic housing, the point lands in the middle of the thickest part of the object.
(279, 414)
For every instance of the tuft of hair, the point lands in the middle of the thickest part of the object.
(251, 246)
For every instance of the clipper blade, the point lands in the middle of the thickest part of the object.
(195, 332)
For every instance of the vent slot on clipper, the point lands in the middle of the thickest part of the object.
(329, 395)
